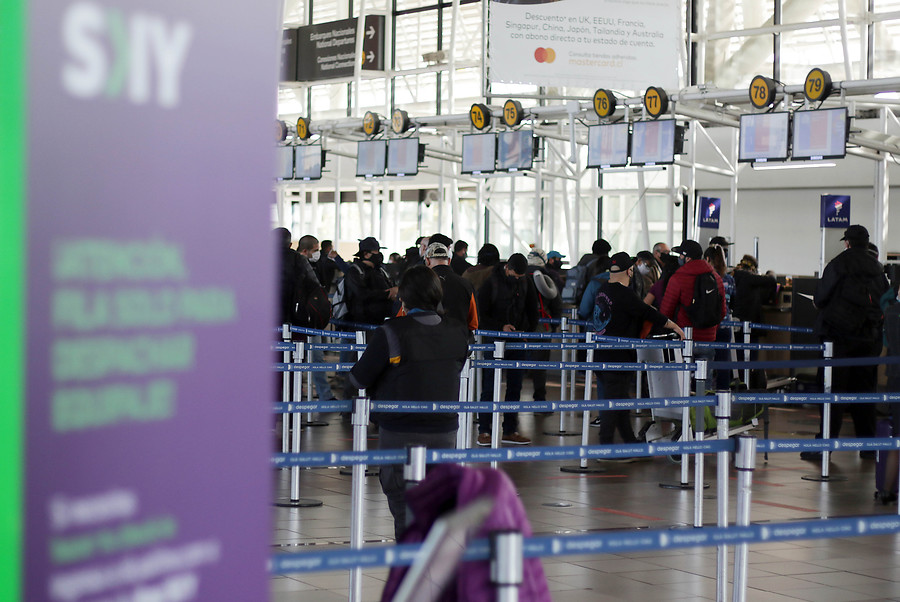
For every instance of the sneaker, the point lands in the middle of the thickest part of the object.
(515, 439)
(811, 456)
(596, 422)
(484, 439)
(627, 460)
(867, 454)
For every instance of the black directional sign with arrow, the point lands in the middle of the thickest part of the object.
(328, 50)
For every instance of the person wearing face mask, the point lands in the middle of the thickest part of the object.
(370, 290)
(507, 301)
(619, 312)
(308, 249)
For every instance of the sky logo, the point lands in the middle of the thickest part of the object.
(138, 57)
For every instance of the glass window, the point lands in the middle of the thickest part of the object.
(887, 57)
(329, 101)
(469, 31)
(416, 94)
(819, 47)
(415, 35)
(732, 63)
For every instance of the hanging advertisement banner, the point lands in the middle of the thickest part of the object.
(146, 435)
(834, 211)
(587, 43)
(709, 213)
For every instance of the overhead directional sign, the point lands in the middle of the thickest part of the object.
(328, 50)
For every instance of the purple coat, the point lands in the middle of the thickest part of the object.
(448, 487)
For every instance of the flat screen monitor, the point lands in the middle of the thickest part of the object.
(479, 153)
(608, 145)
(820, 134)
(764, 137)
(284, 163)
(515, 150)
(403, 157)
(653, 142)
(370, 158)
(308, 162)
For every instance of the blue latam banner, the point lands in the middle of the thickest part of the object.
(709, 212)
(835, 211)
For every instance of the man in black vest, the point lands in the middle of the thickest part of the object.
(507, 302)
(417, 357)
(848, 297)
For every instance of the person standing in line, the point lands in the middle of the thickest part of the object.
(416, 357)
(550, 307)
(620, 312)
(458, 300)
(507, 302)
(308, 247)
(488, 257)
(555, 269)
(847, 298)
(458, 262)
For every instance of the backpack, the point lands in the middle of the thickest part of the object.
(576, 282)
(340, 303)
(705, 309)
(314, 307)
(602, 313)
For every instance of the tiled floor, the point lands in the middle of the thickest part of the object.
(626, 497)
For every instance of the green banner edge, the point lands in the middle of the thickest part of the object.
(12, 292)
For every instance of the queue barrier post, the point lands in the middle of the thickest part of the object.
(413, 472)
(746, 328)
(572, 355)
(360, 429)
(479, 375)
(361, 341)
(507, 549)
(499, 350)
(701, 378)
(310, 382)
(745, 463)
(294, 500)
(686, 433)
(563, 380)
(583, 467)
(723, 416)
(285, 390)
(828, 387)
(464, 430)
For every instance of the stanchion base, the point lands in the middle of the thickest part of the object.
(314, 423)
(819, 478)
(582, 469)
(370, 472)
(561, 434)
(681, 485)
(286, 502)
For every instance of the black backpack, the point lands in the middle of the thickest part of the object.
(705, 309)
(313, 306)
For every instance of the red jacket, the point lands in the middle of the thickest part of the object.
(680, 293)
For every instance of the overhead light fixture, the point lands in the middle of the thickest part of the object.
(773, 167)
(888, 95)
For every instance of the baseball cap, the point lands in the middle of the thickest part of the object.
(437, 250)
(856, 233)
(689, 248)
(555, 255)
(719, 240)
(368, 244)
(620, 262)
(537, 257)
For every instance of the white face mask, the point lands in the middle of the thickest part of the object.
(644, 269)
(315, 256)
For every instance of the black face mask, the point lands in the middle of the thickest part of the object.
(377, 258)
(512, 281)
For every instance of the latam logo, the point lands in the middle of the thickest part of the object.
(835, 211)
(837, 208)
(138, 57)
(709, 215)
(711, 210)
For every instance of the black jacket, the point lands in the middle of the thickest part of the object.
(296, 272)
(414, 358)
(848, 295)
(501, 302)
(459, 264)
(751, 291)
(367, 292)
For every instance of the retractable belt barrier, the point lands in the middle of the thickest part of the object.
(756, 326)
(507, 454)
(620, 543)
(354, 325)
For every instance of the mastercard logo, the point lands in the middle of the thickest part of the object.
(544, 55)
